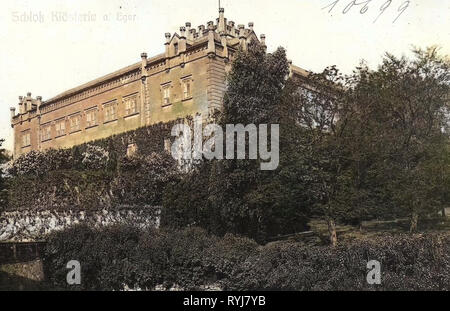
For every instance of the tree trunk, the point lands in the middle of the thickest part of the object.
(414, 220)
(332, 232)
(443, 213)
(360, 226)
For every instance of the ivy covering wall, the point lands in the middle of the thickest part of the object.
(95, 175)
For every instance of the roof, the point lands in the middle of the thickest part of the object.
(95, 82)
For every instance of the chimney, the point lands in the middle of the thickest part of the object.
(28, 102)
(168, 36)
(223, 41)
(250, 25)
(38, 103)
(144, 58)
(211, 43)
(188, 31)
(21, 105)
(242, 36)
(221, 20)
(263, 41)
(232, 30)
(201, 30)
(143, 66)
(182, 42)
(194, 34)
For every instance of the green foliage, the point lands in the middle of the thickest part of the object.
(61, 190)
(4, 157)
(255, 84)
(399, 114)
(95, 175)
(408, 263)
(116, 256)
(104, 255)
(235, 196)
(103, 154)
(112, 257)
(375, 142)
(143, 179)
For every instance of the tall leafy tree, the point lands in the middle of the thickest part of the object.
(237, 196)
(405, 108)
(377, 140)
(323, 134)
(4, 157)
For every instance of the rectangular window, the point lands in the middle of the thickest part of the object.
(166, 95)
(46, 133)
(187, 88)
(60, 127)
(110, 112)
(75, 123)
(130, 105)
(91, 118)
(26, 139)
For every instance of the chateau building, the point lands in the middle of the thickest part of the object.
(188, 79)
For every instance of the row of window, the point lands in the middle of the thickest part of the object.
(186, 85)
(74, 121)
(109, 113)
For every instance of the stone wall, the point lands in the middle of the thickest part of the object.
(31, 225)
(32, 270)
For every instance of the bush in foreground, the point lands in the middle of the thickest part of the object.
(113, 257)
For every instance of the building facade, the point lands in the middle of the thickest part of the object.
(188, 79)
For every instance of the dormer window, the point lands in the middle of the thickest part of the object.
(175, 48)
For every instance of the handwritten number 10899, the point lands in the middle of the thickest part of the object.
(364, 5)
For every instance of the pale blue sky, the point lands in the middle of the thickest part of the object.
(48, 55)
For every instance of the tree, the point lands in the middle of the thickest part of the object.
(235, 196)
(323, 141)
(376, 141)
(405, 108)
(4, 157)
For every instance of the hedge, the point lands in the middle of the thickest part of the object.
(102, 154)
(114, 256)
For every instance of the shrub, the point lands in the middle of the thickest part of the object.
(116, 256)
(142, 179)
(95, 158)
(103, 255)
(61, 190)
(407, 263)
